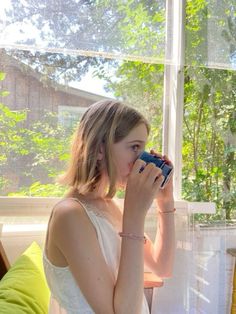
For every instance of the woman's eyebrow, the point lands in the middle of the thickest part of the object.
(135, 141)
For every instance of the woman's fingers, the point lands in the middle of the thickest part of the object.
(158, 181)
(149, 173)
(167, 160)
(155, 153)
(164, 157)
(138, 166)
(152, 172)
(154, 178)
(143, 184)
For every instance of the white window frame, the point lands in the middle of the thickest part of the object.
(172, 121)
(173, 101)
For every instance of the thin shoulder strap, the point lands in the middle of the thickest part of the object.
(78, 201)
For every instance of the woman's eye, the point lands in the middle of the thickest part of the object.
(135, 148)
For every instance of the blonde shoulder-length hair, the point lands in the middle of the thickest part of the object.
(104, 123)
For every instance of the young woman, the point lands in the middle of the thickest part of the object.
(95, 252)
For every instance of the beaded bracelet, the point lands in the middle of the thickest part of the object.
(167, 212)
(133, 236)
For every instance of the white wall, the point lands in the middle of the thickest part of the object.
(202, 281)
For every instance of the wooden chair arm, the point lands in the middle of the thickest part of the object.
(152, 281)
(4, 262)
(232, 252)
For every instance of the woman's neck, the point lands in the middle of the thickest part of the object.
(99, 193)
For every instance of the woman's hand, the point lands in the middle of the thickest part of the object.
(164, 197)
(143, 184)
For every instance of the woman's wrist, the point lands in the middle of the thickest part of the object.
(133, 223)
(166, 206)
(132, 236)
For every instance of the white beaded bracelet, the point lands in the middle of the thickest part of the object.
(167, 212)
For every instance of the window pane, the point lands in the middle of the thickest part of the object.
(209, 138)
(61, 56)
(210, 34)
(133, 28)
(48, 93)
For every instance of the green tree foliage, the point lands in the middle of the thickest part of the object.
(210, 109)
(59, 67)
(133, 28)
(139, 85)
(137, 28)
(42, 190)
(209, 167)
(210, 32)
(34, 153)
(209, 137)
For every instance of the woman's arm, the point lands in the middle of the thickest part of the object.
(128, 293)
(159, 256)
(140, 191)
(76, 238)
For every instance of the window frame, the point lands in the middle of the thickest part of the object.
(173, 102)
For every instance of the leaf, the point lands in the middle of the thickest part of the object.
(2, 76)
(4, 93)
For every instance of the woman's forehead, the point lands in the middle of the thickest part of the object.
(138, 133)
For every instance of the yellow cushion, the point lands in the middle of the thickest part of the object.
(24, 288)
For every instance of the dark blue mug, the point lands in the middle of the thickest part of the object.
(160, 163)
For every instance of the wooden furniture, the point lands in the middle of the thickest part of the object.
(4, 262)
(151, 281)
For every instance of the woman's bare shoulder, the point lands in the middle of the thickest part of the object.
(71, 219)
(68, 208)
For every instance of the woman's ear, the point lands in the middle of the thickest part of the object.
(101, 152)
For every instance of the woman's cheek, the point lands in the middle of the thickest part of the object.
(130, 166)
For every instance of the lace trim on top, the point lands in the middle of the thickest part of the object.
(92, 209)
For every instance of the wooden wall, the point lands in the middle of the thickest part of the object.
(28, 90)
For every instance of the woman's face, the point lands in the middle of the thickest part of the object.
(127, 150)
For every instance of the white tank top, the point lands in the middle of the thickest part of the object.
(66, 296)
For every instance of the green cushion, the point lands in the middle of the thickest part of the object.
(24, 289)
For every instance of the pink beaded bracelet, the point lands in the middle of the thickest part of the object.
(133, 236)
(167, 212)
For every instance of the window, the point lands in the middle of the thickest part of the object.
(209, 128)
(69, 116)
(169, 53)
(175, 62)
